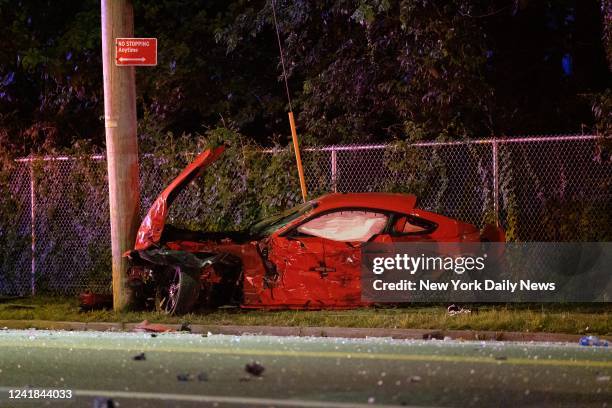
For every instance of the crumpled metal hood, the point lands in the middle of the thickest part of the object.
(152, 226)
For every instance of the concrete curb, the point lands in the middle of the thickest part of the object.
(346, 332)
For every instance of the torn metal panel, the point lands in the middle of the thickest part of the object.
(150, 230)
(94, 301)
(169, 257)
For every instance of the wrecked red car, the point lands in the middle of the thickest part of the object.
(307, 257)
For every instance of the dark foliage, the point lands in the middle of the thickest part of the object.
(361, 70)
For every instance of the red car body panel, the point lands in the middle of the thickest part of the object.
(153, 224)
(279, 271)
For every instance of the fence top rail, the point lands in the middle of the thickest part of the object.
(501, 140)
(380, 146)
(57, 158)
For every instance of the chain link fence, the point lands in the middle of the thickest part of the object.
(55, 230)
(16, 256)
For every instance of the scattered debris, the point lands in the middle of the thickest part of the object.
(185, 327)
(436, 335)
(17, 306)
(102, 402)
(139, 357)
(501, 358)
(454, 310)
(185, 377)
(593, 341)
(202, 376)
(94, 301)
(602, 378)
(254, 368)
(415, 379)
(145, 326)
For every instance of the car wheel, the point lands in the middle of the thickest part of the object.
(179, 294)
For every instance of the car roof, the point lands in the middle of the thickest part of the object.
(383, 201)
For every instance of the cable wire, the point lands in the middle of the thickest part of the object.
(280, 49)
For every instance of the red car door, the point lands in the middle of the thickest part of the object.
(342, 273)
(299, 261)
(343, 232)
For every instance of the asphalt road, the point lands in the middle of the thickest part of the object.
(299, 372)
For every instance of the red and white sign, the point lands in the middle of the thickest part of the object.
(135, 51)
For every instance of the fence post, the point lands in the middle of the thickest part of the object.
(334, 170)
(33, 227)
(495, 181)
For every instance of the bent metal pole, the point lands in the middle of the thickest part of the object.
(298, 157)
(121, 143)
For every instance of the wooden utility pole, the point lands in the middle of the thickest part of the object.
(121, 142)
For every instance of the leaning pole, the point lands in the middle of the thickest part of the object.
(121, 143)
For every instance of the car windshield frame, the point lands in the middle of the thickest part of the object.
(268, 225)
